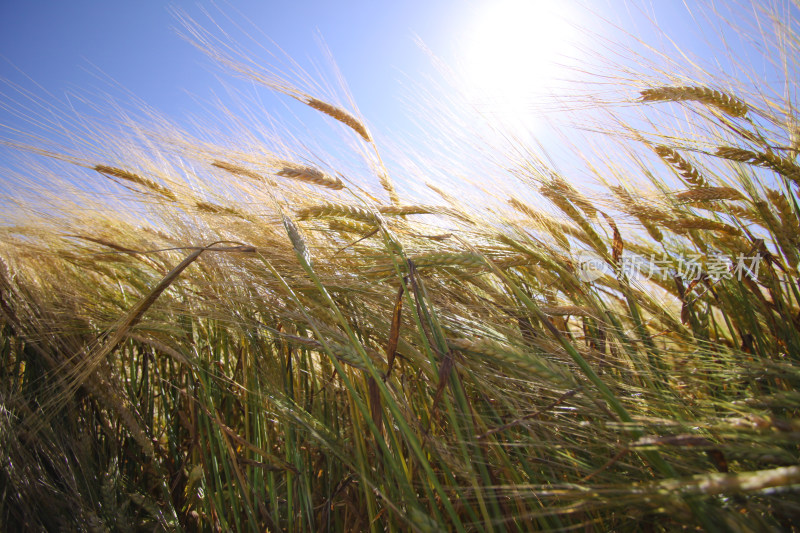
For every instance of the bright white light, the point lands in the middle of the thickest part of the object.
(514, 52)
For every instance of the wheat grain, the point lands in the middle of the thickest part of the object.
(361, 214)
(135, 178)
(736, 243)
(344, 353)
(785, 229)
(298, 242)
(743, 213)
(442, 194)
(724, 102)
(636, 208)
(339, 114)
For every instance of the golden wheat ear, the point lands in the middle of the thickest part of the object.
(709, 194)
(724, 102)
(339, 114)
(135, 178)
(309, 175)
(782, 165)
(683, 167)
(238, 170)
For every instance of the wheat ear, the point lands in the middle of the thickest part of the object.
(689, 224)
(709, 194)
(435, 259)
(339, 114)
(710, 97)
(215, 209)
(646, 215)
(388, 186)
(555, 228)
(309, 175)
(405, 210)
(770, 160)
(569, 192)
(505, 353)
(135, 178)
(237, 170)
(350, 226)
(554, 195)
(336, 210)
(567, 310)
(685, 169)
(788, 216)
(788, 232)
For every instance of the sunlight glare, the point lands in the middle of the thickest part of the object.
(516, 50)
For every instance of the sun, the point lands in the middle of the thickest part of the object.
(514, 52)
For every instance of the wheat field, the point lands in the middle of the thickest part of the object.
(217, 335)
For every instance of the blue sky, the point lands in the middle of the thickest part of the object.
(64, 46)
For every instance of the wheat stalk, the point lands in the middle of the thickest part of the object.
(724, 102)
